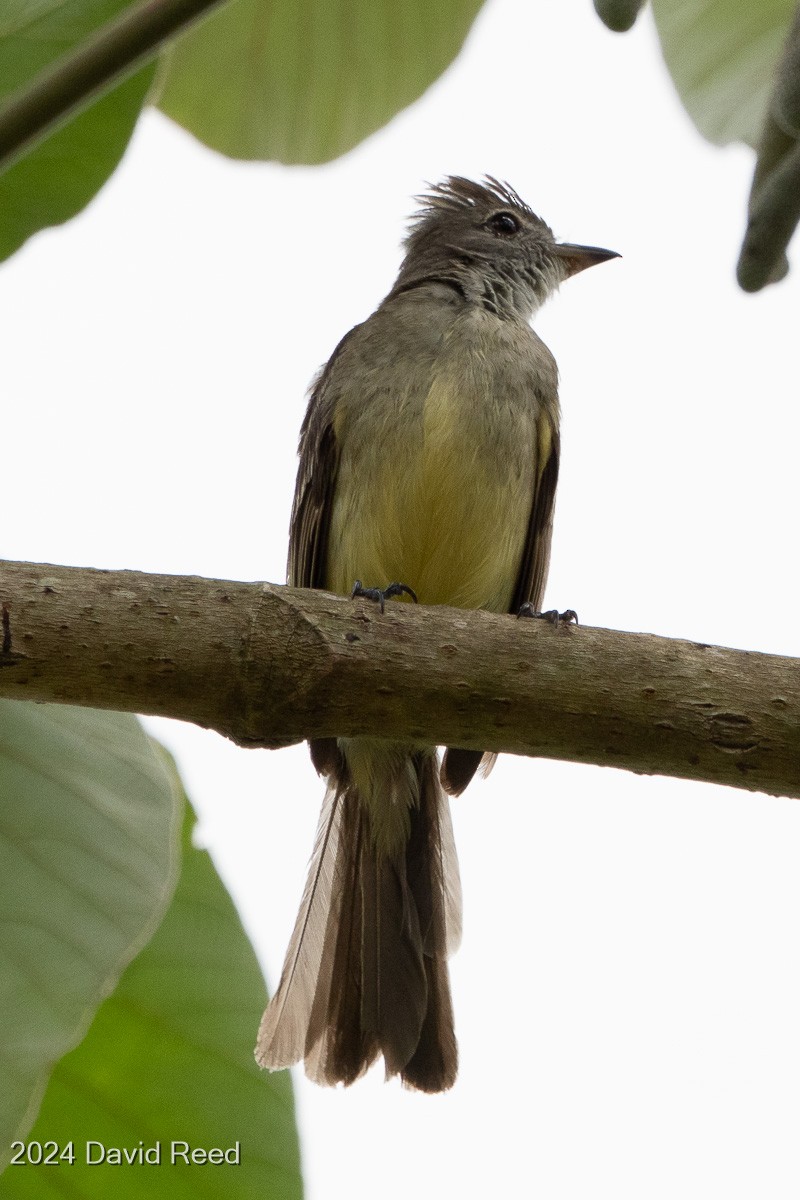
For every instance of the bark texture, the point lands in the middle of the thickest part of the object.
(268, 666)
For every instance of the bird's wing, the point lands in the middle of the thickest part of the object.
(316, 481)
(311, 512)
(536, 554)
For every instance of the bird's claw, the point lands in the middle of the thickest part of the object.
(381, 595)
(567, 617)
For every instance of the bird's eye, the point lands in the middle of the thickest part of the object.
(504, 223)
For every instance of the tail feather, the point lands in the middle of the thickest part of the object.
(436, 886)
(366, 970)
(434, 1063)
(337, 1046)
(307, 969)
(433, 866)
(394, 989)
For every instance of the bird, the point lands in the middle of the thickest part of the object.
(428, 463)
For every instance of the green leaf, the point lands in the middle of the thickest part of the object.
(170, 1057)
(60, 176)
(722, 55)
(618, 15)
(88, 863)
(303, 81)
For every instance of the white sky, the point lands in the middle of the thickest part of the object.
(628, 987)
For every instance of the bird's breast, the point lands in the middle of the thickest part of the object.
(437, 472)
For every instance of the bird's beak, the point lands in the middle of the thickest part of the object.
(578, 258)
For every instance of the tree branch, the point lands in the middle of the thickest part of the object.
(90, 68)
(268, 666)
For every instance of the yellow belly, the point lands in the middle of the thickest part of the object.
(439, 501)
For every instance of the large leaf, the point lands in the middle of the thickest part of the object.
(722, 55)
(306, 80)
(58, 178)
(88, 862)
(170, 1058)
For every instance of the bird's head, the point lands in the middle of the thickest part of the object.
(484, 239)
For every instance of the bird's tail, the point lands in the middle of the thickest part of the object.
(366, 969)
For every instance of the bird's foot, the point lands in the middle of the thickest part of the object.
(381, 595)
(567, 617)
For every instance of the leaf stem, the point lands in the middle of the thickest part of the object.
(92, 67)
